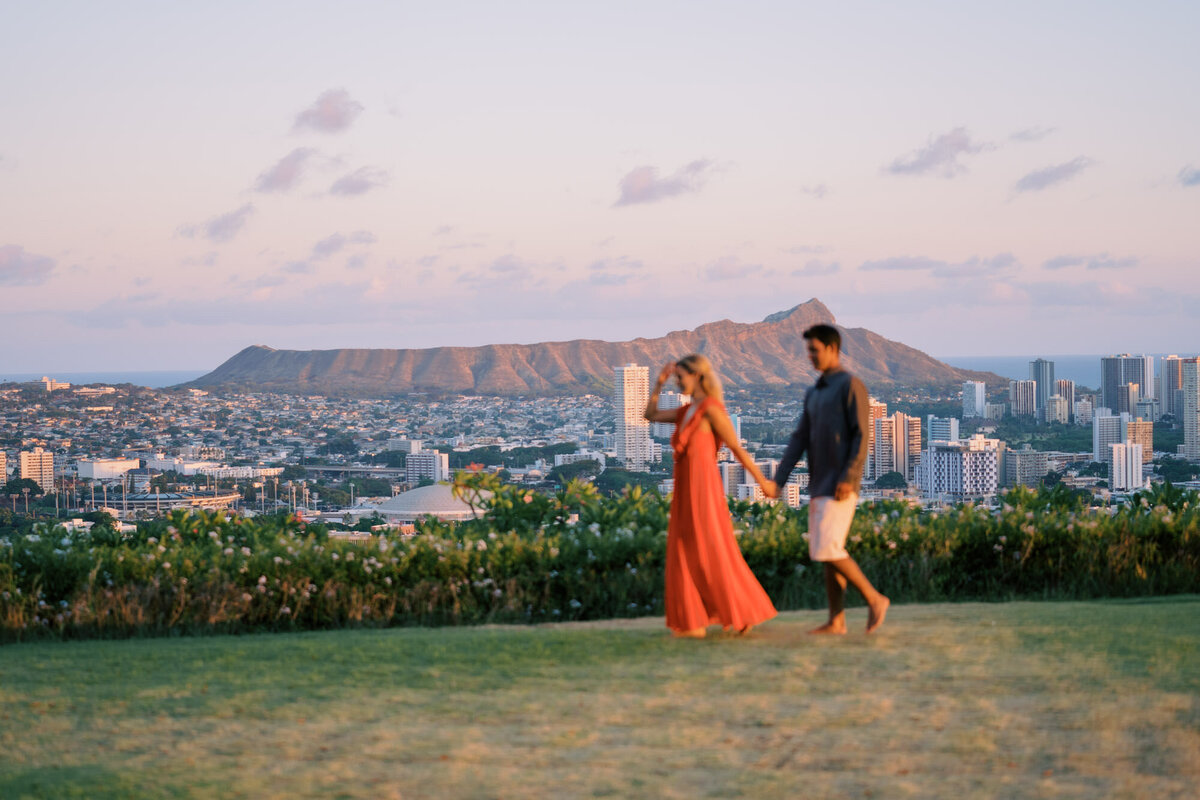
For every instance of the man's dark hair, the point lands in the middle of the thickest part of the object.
(826, 335)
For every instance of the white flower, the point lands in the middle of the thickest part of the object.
(335, 556)
(497, 593)
(228, 551)
(481, 545)
(278, 559)
(262, 578)
(492, 535)
(349, 556)
(285, 611)
(575, 603)
(245, 551)
(66, 541)
(33, 537)
(166, 565)
(383, 545)
(246, 598)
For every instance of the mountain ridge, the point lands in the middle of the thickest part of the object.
(766, 353)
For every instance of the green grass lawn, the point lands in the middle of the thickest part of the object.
(963, 700)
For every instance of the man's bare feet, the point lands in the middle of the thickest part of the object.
(837, 627)
(878, 611)
(694, 633)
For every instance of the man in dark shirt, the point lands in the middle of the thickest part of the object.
(833, 431)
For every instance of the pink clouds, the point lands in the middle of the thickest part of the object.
(287, 173)
(643, 185)
(21, 268)
(360, 181)
(334, 111)
(940, 156)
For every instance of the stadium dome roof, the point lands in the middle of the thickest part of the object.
(437, 500)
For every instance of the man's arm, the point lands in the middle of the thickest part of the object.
(797, 446)
(857, 419)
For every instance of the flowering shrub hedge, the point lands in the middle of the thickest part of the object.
(533, 558)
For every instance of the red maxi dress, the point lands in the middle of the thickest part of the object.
(708, 581)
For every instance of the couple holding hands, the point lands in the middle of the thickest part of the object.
(707, 580)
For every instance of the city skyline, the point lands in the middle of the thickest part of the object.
(179, 183)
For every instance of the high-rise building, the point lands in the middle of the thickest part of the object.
(3, 467)
(1128, 395)
(1025, 467)
(896, 446)
(667, 401)
(1066, 390)
(1107, 429)
(1022, 398)
(631, 392)
(1170, 385)
(974, 399)
(1041, 372)
(733, 475)
(1141, 431)
(38, 466)
(1117, 371)
(1125, 467)
(1057, 409)
(960, 471)
(875, 411)
(1083, 412)
(1190, 408)
(429, 465)
(941, 429)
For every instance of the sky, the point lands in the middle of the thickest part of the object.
(180, 181)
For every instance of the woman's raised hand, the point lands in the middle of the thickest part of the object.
(665, 375)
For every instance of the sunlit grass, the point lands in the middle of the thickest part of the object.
(975, 700)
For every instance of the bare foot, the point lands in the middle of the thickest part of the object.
(694, 633)
(838, 627)
(879, 610)
(745, 630)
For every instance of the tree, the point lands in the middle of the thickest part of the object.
(582, 470)
(891, 480)
(18, 485)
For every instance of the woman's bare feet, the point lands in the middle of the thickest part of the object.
(878, 611)
(834, 626)
(694, 633)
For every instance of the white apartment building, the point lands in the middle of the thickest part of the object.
(875, 412)
(404, 445)
(1107, 429)
(430, 464)
(974, 399)
(940, 429)
(1083, 412)
(1125, 468)
(106, 469)
(575, 458)
(1022, 398)
(668, 401)
(240, 473)
(1057, 409)
(994, 411)
(1066, 390)
(3, 467)
(631, 392)
(38, 466)
(1025, 467)
(733, 475)
(959, 471)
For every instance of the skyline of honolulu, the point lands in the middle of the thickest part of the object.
(179, 183)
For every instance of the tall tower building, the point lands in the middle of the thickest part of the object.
(1191, 408)
(875, 411)
(1117, 371)
(38, 466)
(1107, 429)
(1041, 372)
(974, 399)
(1141, 431)
(1170, 385)
(1022, 398)
(1125, 467)
(897, 445)
(667, 401)
(630, 395)
(3, 467)
(1066, 390)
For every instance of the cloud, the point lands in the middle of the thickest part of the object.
(222, 228)
(1098, 261)
(287, 173)
(614, 271)
(21, 268)
(332, 112)
(974, 267)
(642, 184)
(298, 268)
(729, 268)
(1031, 134)
(815, 268)
(360, 181)
(336, 242)
(1189, 176)
(940, 156)
(818, 191)
(207, 260)
(1044, 178)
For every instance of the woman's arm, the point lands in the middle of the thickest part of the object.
(723, 427)
(652, 412)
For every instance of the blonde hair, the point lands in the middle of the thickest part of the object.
(702, 368)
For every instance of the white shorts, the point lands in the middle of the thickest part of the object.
(828, 524)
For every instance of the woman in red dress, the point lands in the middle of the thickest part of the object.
(708, 581)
